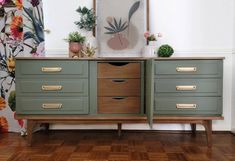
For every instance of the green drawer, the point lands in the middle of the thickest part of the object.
(52, 86)
(187, 105)
(188, 87)
(52, 105)
(193, 68)
(52, 67)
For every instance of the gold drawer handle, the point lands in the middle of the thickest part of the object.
(52, 106)
(186, 106)
(186, 69)
(51, 69)
(51, 88)
(186, 88)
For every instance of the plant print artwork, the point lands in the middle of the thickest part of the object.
(120, 41)
(120, 26)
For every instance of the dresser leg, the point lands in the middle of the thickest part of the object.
(30, 126)
(119, 129)
(194, 128)
(208, 129)
(47, 126)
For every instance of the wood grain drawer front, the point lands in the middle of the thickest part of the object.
(52, 105)
(35, 86)
(195, 87)
(203, 68)
(119, 70)
(188, 105)
(118, 105)
(119, 87)
(52, 67)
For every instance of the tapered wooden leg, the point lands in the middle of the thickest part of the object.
(208, 128)
(30, 126)
(47, 126)
(194, 128)
(119, 129)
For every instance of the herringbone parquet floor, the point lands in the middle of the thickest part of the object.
(105, 146)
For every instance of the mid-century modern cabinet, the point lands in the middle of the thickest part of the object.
(119, 90)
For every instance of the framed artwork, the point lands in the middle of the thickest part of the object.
(120, 27)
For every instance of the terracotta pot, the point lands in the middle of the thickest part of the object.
(75, 47)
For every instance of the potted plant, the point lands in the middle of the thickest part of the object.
(165, 51)
(87, 20)
(87, 23)
(76, 41)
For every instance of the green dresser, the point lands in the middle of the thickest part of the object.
(188, 87)
(52, 87)
(119, 90)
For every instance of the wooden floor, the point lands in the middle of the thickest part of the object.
(105, 146)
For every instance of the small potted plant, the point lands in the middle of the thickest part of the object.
(151, 38)
(76, 41)
(165, 51)
(87, 23)
(87, 20)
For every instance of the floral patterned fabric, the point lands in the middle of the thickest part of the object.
(21, 34)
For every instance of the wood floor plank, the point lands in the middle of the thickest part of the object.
(106, 146)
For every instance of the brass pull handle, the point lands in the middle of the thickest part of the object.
(51, 69)
(51, 88)
(186, 69)
(52, 106)
(186, 88)
(186, 106)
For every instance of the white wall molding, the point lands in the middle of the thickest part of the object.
(206, 52)
(178, 52)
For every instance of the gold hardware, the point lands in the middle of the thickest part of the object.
(51, 88)
(186, 106)
(51, 69)
(186, 88)
(47, 31)
(186, 69)
(52, 106)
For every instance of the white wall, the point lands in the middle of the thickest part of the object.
(192, 27)
(233, 74)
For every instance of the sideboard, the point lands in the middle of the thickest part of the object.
(120, 90)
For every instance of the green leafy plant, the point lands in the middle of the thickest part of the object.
(76, 37)
(165, 51)
(88, 18)
(116, 27)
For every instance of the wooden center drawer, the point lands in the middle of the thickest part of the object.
(119, 70)
(119, 87)
(119, 105)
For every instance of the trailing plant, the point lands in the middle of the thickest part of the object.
(87, 20)
(116, 27)
(76, 37)
(165, 51)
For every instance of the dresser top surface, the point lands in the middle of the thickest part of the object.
(120, 58)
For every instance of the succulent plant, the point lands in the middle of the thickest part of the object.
(165, 51)
(76, 37)
(116, 27)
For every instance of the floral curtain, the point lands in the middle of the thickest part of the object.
(21, 34)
